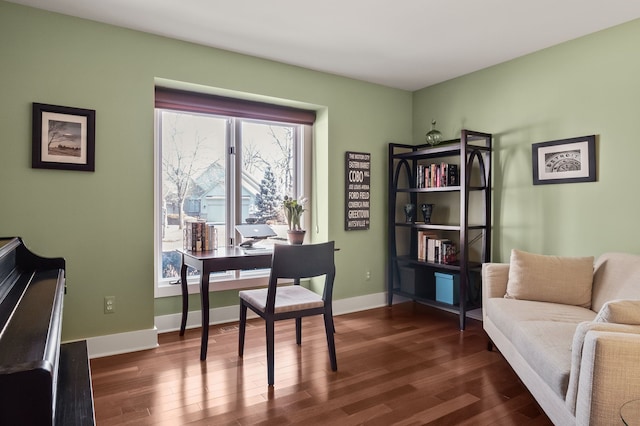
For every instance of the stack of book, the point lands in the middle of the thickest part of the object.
(433, 249)
(437, 175)
(200, 236)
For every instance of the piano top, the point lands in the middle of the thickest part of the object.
(7, 244)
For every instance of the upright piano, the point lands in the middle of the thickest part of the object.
(42, 382)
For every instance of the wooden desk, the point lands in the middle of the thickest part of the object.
(206, 262)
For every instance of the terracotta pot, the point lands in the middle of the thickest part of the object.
(295, 236)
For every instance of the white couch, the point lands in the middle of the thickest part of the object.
(570, 330)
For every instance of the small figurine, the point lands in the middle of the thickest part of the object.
(409, 211)
(427, 209)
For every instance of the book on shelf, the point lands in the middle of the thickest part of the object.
(200, 235)
(445, 252)
(431, 250)
(423, 238)
(434, 249)
(437, 175)
(452, 175)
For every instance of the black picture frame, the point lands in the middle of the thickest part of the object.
(63, 138)
(564, 161)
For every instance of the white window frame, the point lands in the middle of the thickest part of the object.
(231, 280)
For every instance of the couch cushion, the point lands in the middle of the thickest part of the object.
(620, 312)
(506, 313)
(546, 345)
(566, 280)
(616, 276)
(542, 333)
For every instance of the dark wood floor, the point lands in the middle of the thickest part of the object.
(406, 365)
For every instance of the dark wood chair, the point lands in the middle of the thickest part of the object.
(275, 303)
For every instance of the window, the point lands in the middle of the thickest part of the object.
(226, 166)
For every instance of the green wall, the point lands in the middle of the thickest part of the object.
(586, 86)
(102, 222)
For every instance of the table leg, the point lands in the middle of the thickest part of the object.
(204, 297)
(185, 297)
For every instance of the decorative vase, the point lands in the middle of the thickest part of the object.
(295, 236)
(427, 209)
(409, 212)
(433, 136)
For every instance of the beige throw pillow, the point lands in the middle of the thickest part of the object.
(566, 280)
(620, 312)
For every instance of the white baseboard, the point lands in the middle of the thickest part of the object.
(138, 340)
(166, 323)
(114, 344)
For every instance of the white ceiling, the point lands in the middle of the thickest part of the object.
(407, 44)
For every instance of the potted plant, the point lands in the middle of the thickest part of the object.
(292, 211)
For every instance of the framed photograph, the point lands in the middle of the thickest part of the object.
(564, 161)
(63, 138)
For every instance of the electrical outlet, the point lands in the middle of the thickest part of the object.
(109, 304)
(367, 275)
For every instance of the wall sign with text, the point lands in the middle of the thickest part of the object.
(357, 191)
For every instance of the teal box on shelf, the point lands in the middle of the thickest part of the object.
(447, 288)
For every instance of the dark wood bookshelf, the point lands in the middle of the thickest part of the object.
(409, 277)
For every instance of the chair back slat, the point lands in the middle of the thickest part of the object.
(302, 261)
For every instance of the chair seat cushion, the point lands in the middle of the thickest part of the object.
(288, 298)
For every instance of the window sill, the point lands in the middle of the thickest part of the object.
(193, 287)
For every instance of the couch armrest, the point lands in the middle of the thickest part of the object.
(609, 376)
(494, 281)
